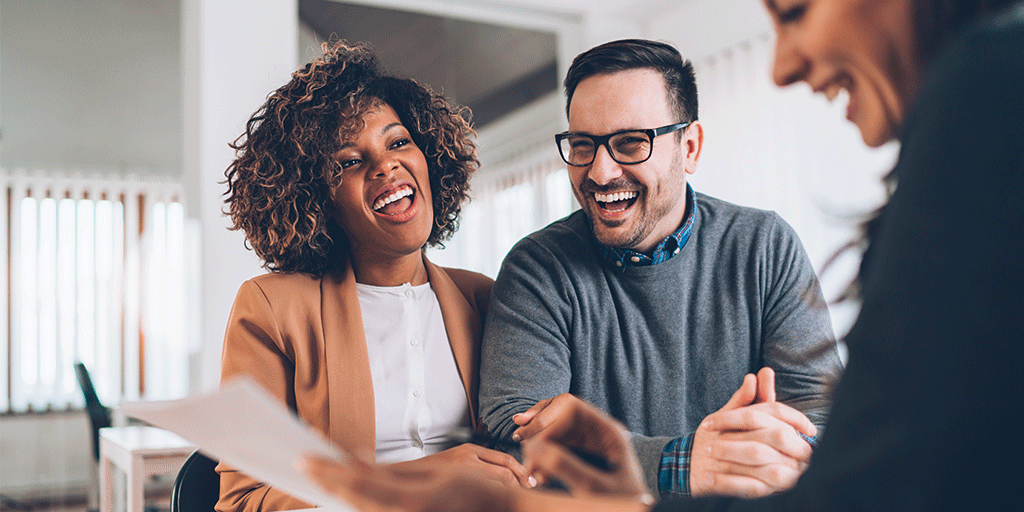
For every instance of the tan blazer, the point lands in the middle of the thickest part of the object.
(302, 338)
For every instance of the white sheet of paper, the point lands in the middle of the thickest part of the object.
(242, 425)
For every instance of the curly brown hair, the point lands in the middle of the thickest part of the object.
(279, 185)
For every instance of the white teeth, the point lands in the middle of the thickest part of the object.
(394, 196)
(832, 91)
(617, 196)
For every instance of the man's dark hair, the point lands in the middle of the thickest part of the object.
(627, 54)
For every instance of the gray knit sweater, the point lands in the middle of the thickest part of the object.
(658, 347)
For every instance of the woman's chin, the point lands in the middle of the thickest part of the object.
(876, 134)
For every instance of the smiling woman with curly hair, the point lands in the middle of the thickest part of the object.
(279, 185)
(341, 179)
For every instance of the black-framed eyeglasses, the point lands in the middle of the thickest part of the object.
(625, 147)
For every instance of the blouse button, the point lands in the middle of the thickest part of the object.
(408, 293)
(416, 392)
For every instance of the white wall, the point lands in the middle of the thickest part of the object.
(235, 53)
(91, 84)
(31, 444)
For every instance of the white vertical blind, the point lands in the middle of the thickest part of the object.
(5, 203)
(78, 264)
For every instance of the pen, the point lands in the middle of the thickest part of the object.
(468, 435)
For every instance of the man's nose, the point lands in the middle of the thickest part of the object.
(603, 169)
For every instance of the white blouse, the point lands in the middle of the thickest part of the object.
(417, 392)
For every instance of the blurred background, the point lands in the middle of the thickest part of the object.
(115, 119)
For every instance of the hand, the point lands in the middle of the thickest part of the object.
(555, 426)
(423, 488)
(492, 464)
(751, 446)
(440, 489)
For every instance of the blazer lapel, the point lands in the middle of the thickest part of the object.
(347, 365)
(463, 326)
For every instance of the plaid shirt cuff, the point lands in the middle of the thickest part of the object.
(674, 470)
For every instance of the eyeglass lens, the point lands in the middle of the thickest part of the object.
(625, 148)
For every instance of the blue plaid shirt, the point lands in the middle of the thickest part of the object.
(668, 247)
(674, 470)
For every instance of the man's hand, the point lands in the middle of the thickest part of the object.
(751, 446)
(491, 464)
(552, 429)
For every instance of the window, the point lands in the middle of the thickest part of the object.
(503, 211)
(95, 271)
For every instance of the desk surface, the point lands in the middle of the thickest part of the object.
(151, 439)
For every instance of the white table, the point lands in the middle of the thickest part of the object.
(140, 452)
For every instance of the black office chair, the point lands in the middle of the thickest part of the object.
(197, 487)
(99, 414)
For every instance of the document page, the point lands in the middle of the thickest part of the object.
(243, 426)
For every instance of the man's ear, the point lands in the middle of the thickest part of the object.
(692, 143)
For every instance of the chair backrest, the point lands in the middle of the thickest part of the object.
(197, 487)
(99, 415)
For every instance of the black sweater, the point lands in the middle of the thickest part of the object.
(928, 414)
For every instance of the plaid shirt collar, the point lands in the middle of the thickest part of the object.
(668, 247)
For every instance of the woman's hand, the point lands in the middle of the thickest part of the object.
(491, 464)
(411, 488)
(442, 488)
(553, 428)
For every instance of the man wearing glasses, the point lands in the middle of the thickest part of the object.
(654, 301)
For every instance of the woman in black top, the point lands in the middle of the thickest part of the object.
(928, 413)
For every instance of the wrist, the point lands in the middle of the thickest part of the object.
(522, 500)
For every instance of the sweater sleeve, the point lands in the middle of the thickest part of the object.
(253, 341)
(525, 352)
(798, 340)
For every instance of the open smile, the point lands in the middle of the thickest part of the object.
(615, 202)
(396, 204)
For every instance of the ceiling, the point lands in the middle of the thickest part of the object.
(491, 69)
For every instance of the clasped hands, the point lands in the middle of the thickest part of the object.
(750, 447)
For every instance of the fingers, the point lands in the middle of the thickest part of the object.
(524, 417)
(765, 385)
(726, 484)
(755, 461)
(760, 416)
(552, 461)
(742, 468)
(749, 453)
(542, 415)
(744, 395)
(503, 461)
